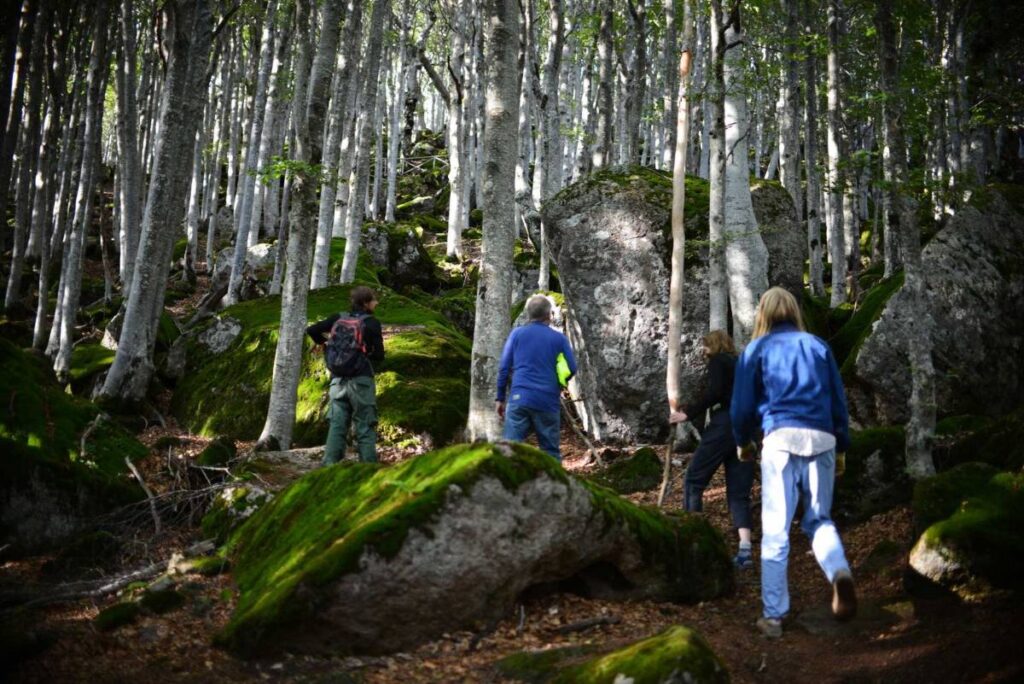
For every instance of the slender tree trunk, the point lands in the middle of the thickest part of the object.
(717, 284)
(10, 138)
(364, 126)
(338, 138)
(494, 291)
(789, 123)
(458, 213)
(835, 181)
(309, 115)
(746, 257)
(816, 275)
(920, 428)
(394, 126)
(128, 130)
(675, 288)
(190, 33)
(605, 82)
(243, 212)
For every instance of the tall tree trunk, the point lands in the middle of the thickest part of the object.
(669, 124)
(243, 212)
(814, 251)
(789, 123)
(715, 93)
(309, 115)
(602, 154)
(189, 31)
(364, 127)
(10, 137)
(635, 83)
(128, 132)
(456, 100)
(547, 169)
(675, 288)
(835, 181)
(339, 128)
(395, 122)
(71, 277)
(494, 291)
(921, 426)
(746, 257)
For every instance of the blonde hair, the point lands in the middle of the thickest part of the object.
(718, 342)
(776, 306)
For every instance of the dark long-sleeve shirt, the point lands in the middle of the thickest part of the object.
(721, 370)
(373, 338)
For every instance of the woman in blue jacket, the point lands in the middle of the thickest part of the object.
(787, 387)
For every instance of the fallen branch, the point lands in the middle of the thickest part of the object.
(149, 494)
(88, 431)
(89, 591)
(584, 625)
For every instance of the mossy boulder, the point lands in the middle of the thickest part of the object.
(875, 478)
(638, 473)
(88, 361)
(979, 545)
(973, 270)
(610, 235)
(118, 615)
(49, 489)
(217, 453)
(372, 559)
(679, 654)
(422, 385)
(230, 508)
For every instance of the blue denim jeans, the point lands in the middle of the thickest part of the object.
(786, 479)
(519, 420)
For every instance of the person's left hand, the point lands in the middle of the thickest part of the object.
(677, 417)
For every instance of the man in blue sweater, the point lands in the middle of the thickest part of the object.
(530, 355)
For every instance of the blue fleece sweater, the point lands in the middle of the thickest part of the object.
(788, 378)
(530, 355)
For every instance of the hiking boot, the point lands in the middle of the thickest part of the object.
(770, 628)
(743, 560)
(844, 596)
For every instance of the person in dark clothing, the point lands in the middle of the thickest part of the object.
(353, 397)
(717, 446)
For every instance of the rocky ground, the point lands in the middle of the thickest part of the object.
(896, 636)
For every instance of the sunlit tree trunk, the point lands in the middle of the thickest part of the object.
(835, 183)
(715, 93)
(605, 82)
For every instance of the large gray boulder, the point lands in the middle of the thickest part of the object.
(974, 274)
(394, 556)
(611, 239)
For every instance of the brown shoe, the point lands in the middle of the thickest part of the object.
(770, 628)
(844, 596)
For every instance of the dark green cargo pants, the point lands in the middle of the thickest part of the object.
(353, 402)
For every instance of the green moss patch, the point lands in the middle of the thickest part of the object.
(679, 654)
(638, 473)
(937, 498)
(117, 615)
(217, 453)
(847, 342)
(984, 536)
(88, 361)
(425, 371)
(317, 529)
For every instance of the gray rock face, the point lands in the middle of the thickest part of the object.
(219, 336)
(612, 244)
(259, 259)
(974, 274)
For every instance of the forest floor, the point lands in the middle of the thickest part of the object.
(896, 637)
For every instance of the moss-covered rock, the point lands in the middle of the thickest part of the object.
(980, 545)
(679, 654)
(847, 341)
(117, 615)
(422, 385)
(230, 508)
(218, 452)
(875, 478)
(639, 472)
(452, 536)
(48, 487)
(87, 362)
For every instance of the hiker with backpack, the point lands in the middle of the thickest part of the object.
(351, 344)
(531, 358)
(788, 387)
(717, 446)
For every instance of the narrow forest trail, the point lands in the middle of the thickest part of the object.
(894, 638)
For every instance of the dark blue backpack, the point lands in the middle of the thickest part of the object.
(345, 347)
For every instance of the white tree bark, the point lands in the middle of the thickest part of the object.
(360, 174)
(835, 202)
(395, 121)
(715, 113)
(814, 250)
(602, 154)
(501, 27)
(789, 123)
(309, 113)
(746, 257)
(190, 35)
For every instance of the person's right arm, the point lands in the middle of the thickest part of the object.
(319, 332)
(743, 407)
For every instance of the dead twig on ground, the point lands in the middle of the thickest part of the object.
(584, 625)
(149, 494)
(88, 431)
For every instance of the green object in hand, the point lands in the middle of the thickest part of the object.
(562, 369)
